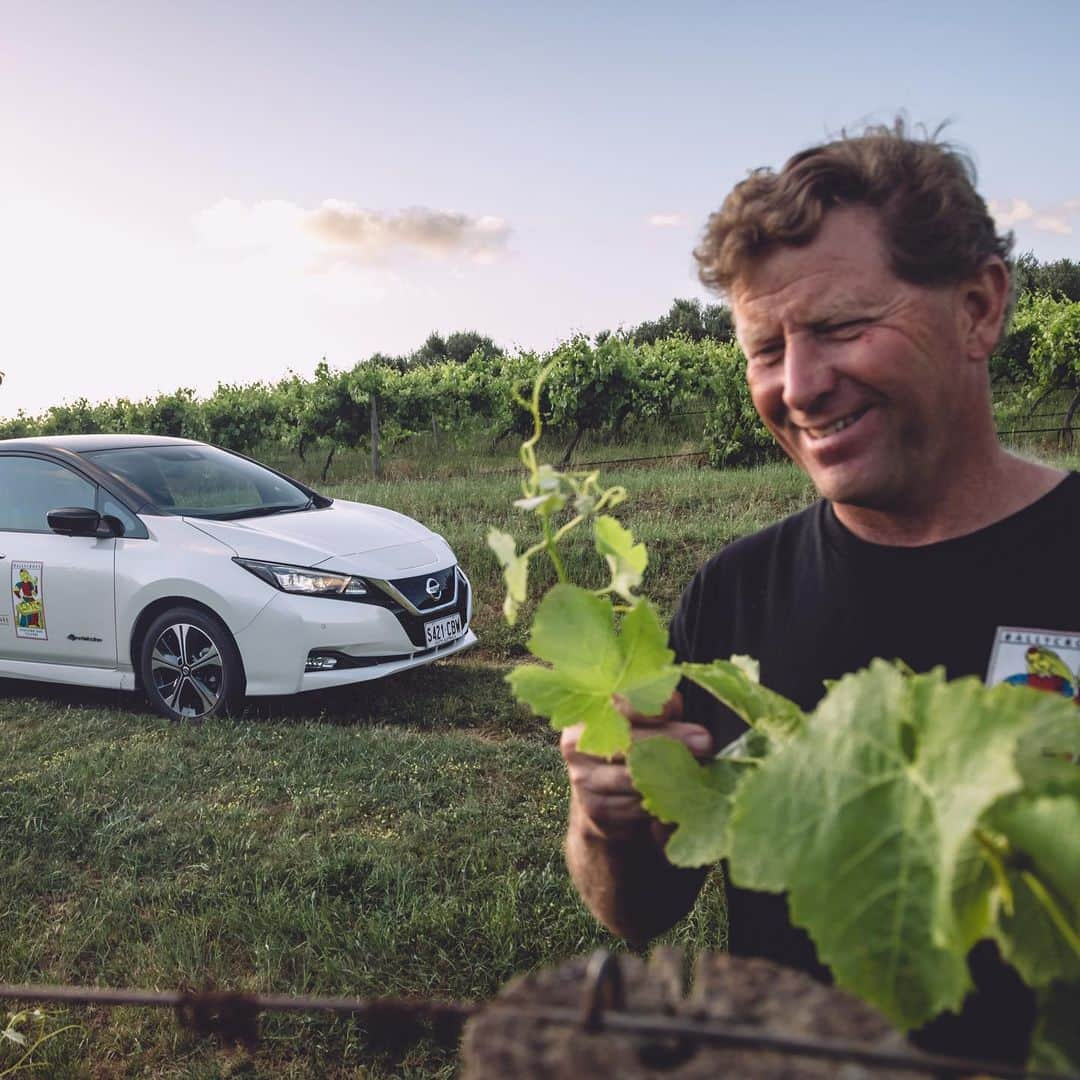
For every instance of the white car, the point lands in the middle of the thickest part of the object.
(200, 576)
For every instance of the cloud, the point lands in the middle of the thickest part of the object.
(375, 232)
(339, 231)
(1050, 224)
(1021, 212)
(665, 221)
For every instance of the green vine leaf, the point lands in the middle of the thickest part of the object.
(975, 894)
(515, 570)
(542, 504)
(735, 683)
(547, 495)
(1040, 937)
(863, 816)
(1049, 754)
(626, 559)
(574, 632)
(678, 790)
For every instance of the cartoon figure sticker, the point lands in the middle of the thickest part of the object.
(1047, 660)
(28, 597)
(1043, 659)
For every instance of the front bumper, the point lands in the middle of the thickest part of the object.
(373, 639)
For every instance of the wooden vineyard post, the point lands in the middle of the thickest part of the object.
(376, 463)
(517, 1035)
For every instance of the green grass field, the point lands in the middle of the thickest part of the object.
(402, 837)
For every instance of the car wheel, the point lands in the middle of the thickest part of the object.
(190, 666)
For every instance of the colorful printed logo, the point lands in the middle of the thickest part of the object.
(1046, 671)
(28, 595)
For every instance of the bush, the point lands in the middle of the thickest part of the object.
(734, 434)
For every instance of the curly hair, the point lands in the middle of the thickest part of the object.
(936, 225)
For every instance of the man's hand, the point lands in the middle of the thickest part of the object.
(604, 796)
(614, 849)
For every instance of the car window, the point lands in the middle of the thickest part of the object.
(201, 481)
(33, 486)
(133, 527)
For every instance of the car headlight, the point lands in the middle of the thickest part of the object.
(306, 582)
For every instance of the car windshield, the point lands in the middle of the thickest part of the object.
(202, 481)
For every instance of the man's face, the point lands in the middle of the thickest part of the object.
(863, 379)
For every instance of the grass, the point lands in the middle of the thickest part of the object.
(401, 837)
(319, 854)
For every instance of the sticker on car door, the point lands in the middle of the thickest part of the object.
(28, 598)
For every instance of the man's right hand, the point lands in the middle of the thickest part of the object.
(606, 803)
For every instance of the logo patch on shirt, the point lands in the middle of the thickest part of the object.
(1044, 659)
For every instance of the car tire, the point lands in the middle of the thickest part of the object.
(190, 666)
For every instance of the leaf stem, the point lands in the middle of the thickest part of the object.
(996, 850)
(23, 1062)
(1049, 905)
(550, 541)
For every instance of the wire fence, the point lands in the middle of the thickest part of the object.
(704, 452)
(1058, 430)
(233, 1018)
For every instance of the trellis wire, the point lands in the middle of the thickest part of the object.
(233, 1015)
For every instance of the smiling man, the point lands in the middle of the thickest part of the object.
(869, 288)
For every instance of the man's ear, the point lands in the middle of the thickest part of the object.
(984, 300)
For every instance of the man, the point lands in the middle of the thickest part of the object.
(869, 289)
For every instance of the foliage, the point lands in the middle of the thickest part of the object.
(465, 385)
(1060, 278)
(734, 433)
(687, 319)
(455, 348)
(881, 805)
(240, 416)
(329, 410)
(1052, 326)
(1059, 281)
(906, 817)
(592, 388)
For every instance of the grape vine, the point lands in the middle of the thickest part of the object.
(907, 817)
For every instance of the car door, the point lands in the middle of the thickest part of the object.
(58, 605)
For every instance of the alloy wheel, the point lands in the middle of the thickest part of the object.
(187, 669)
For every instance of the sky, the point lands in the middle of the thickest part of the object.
(202, 192)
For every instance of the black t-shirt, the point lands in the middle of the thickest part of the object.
(811, 601)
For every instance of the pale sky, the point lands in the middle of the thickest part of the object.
(194, 193)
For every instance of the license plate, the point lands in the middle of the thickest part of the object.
(440, 631)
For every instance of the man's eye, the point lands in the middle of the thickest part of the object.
(850, 328)
(768, 354)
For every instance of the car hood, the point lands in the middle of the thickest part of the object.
(346, 536)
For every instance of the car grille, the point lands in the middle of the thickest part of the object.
(442, 585)
(455, 585)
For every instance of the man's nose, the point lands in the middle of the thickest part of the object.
(808, 374)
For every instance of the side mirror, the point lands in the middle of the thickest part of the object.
(79, 521)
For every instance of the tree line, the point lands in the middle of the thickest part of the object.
(464, 384)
